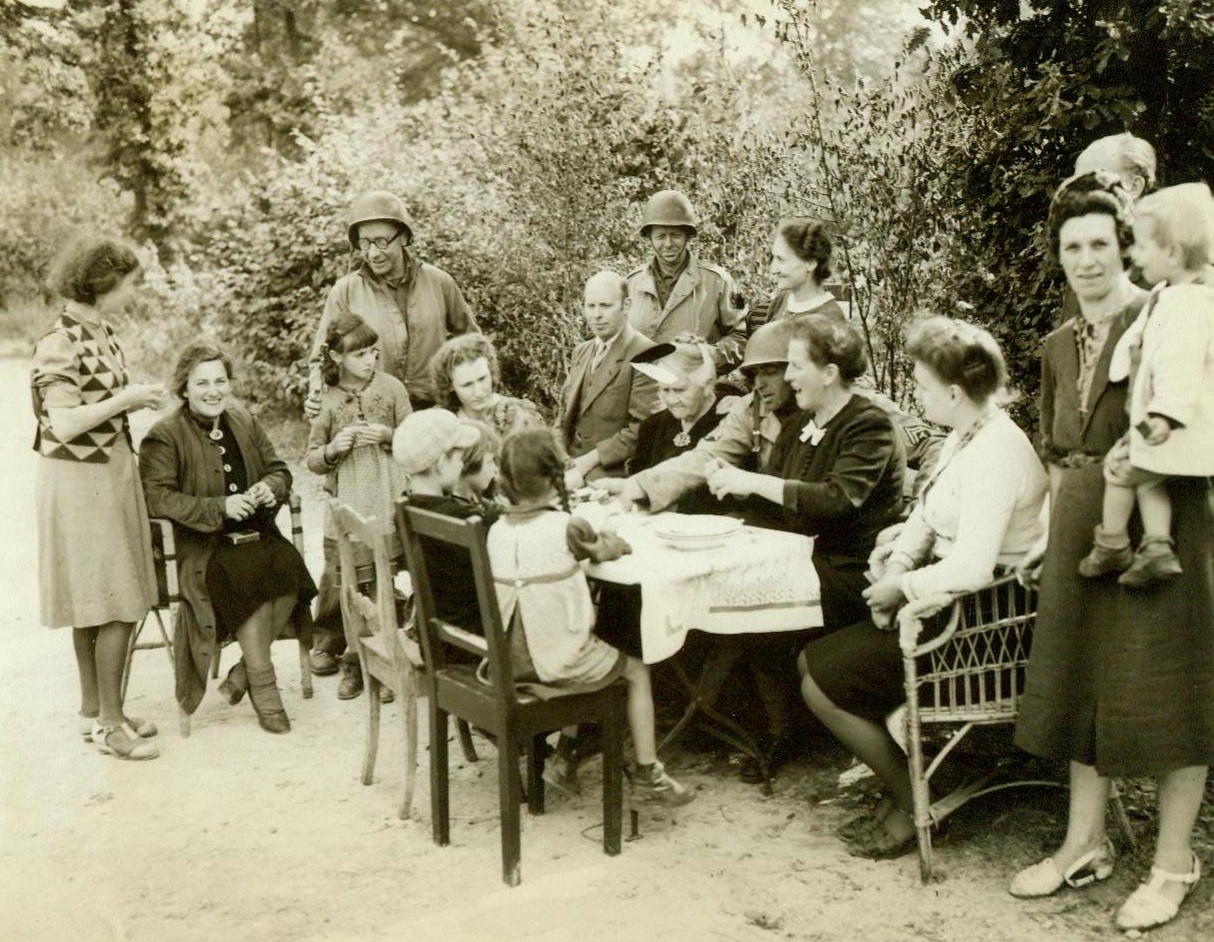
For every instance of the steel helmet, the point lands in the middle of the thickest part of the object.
(375, 205)
(668, 208)
(767, 346)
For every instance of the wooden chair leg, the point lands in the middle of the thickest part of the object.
(440, 804)
(465, 741)
(305, 670)
(371, 693)
(613, 778)
(920, 793)
(509, 797)
(406, 695)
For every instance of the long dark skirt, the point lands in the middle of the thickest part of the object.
(1123, 679)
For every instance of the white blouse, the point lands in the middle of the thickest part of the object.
(984, 508)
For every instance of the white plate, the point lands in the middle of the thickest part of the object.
(697, 528)
(714, 543)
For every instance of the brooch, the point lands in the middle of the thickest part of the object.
(811, 433)
(682, 440)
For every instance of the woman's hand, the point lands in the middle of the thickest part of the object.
(373, 433)
(1155, 429)
(1028, 570)
(239, 506)
(144, 396)
(884, 597)
(311, 406)
(262, 495)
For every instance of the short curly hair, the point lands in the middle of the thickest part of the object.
(199, 351)
(1098, 193)
(810, 242)
(91, 266)
(829, 340)
(463, 349)
(960, 354)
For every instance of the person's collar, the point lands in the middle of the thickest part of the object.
(660, 271)
(605, 345)
(796, 306)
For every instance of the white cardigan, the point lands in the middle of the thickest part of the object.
(983, 509)
(1175, 379)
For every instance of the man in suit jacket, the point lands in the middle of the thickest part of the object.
(604, 400)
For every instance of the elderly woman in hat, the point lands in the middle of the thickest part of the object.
(686, 376)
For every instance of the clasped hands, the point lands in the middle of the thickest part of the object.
(243, 506)
(364, 433)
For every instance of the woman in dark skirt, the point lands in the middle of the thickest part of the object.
(1120, 682)
(210, 468)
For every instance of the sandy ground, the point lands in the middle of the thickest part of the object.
(235, 834)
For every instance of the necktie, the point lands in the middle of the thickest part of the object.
(600, 351)
(811, 433)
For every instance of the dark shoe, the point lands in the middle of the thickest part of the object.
(235, 684)
(875, 842)
(351, 685)
(776, 751)
(324, 664)
(385, 694)
(1105, 557)
(267, 702)
(560, 770)
(1154, 562)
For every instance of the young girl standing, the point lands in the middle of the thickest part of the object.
(534, 550)
(351, 443)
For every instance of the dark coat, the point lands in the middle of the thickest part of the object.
(183, 479)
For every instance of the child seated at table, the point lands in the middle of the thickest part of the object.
(477, 484)
(534, 550)
(431, 448)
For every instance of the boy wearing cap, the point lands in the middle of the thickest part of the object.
(429, 446)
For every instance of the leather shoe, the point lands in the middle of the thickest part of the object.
(324, 664)
(351, 685)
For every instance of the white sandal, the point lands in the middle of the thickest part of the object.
(1044, 878)
(132, 746)
(1147, 907)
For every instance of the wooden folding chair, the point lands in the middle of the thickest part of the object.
(969, 674)
(385, 654)
(164, 553)
(515, 720)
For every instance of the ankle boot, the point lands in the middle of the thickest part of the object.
(351, 685)
(235, 684)
(263, 691)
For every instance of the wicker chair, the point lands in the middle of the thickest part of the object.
(967, 669)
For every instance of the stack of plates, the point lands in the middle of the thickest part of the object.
(696, 531)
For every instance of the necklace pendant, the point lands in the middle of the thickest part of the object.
(682, 440)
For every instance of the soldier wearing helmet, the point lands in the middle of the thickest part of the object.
(412, 305)
(676, 294)
(744, 438)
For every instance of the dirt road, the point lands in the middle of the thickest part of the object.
(236, 835)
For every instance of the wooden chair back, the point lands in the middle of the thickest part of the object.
(373, 631)
(515, 721)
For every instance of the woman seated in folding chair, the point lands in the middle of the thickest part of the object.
(980, 511)
(210, 468)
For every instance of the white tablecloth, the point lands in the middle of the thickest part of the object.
(758, 581)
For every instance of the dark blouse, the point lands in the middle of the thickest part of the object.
(848, 487)
(656, 438)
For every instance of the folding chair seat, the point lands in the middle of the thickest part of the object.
(169, 596)
(513, 719)
(964, 661)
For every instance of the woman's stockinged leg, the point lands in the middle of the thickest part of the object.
(1180, 795)
(261, 628)
(1085, 829)
(84, 642)
(870, 742)
(110, 656)
(640, 711)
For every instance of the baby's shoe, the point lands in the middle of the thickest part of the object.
(656, 785)
(1154, 562)
(1107, 555)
